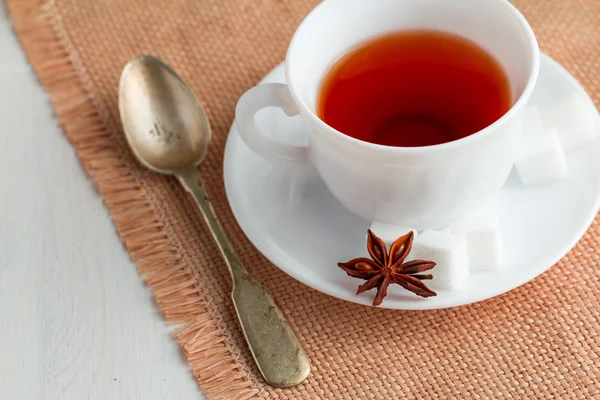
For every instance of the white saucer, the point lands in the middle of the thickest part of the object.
(290, 216)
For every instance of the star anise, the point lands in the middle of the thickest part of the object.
(384, 268)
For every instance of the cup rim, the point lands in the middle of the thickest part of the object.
(479, 135)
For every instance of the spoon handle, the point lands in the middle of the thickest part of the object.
(272, 341)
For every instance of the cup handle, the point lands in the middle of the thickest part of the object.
(255, 99)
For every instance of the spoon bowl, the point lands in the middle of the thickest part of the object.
(165, 123)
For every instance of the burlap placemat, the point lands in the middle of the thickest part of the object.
(541, 340)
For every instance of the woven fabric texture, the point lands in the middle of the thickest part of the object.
(541, 340)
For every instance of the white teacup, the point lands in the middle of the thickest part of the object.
(421, 187)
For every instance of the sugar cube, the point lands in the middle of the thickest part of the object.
(484, 242)
(449, 252)
(389, 233)
(540, 158)
(534, 133)
(574, 117)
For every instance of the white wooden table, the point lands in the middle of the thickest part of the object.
(76, 320)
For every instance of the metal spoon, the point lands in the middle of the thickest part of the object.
(169, 132)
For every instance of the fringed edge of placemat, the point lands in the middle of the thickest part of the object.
(89, 128)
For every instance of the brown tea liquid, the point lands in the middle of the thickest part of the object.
(414, 88)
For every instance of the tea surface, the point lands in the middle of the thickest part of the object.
(414, 88)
